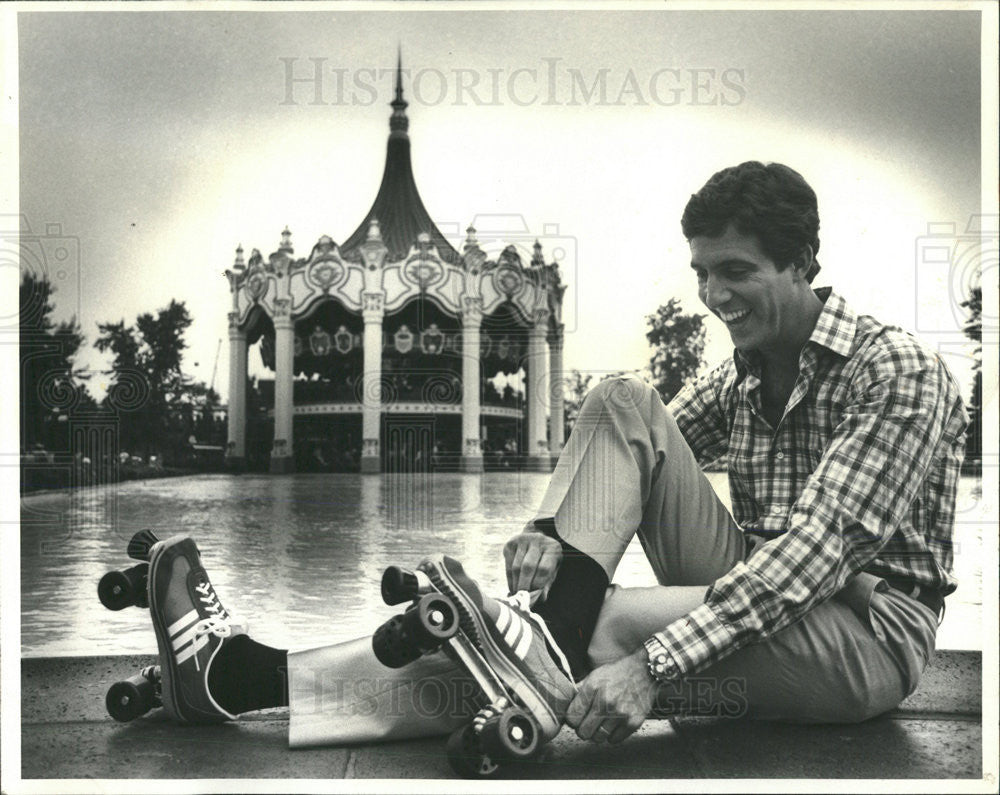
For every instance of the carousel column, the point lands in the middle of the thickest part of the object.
(371, 393)
(236, 445)
(282, 461)
(472, 450)
(556, 406)
(538, 387)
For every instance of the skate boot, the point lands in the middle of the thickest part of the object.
(513, 640)
(191, 626)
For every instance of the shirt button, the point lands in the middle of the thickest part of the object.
(779, 455)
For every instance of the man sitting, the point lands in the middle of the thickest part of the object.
(818, 599)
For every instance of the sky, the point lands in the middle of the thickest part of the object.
(152, 143)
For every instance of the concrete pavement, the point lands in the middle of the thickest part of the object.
(66, 734)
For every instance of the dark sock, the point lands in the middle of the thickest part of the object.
(574, 601)
(246, 676)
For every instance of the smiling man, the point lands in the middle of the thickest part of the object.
(818, 598)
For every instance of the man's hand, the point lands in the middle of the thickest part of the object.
(614, 701)
(532, 561)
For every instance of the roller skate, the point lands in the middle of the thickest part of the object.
(191, 626)
(134, 697)
(525, 680)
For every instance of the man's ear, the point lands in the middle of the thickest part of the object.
(804, 261)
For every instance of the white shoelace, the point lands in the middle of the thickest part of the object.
(210, 599)
(220, 623)
(522, 601)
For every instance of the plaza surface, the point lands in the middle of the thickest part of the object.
(935, 734)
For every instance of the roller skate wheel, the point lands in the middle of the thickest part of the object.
(465, 755)
(131, 698)
(510, 735)
(438, 618)
(392, 645)
(120, 589)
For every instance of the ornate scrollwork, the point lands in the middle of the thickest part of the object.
(319, 342)
(403, 339)
(431, 339)
(343, 340)
(508, 279)
(325, 274)
(282, 308)
(373, 302)
(256, 283)
(472, 309)
(540, 316)
(423, 267)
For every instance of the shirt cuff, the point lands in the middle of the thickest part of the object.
(697, 640)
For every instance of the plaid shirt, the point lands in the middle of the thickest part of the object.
(860, 475)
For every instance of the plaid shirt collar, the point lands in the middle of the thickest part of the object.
(834, 330)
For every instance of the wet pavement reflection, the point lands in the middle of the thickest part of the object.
(301, 556)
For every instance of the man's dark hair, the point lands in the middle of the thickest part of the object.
(772, 202)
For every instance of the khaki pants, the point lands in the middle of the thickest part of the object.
(626, 469)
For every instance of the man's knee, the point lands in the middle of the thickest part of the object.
(622, 393)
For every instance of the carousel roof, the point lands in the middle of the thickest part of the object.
(400, 213)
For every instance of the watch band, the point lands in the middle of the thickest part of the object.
(661, 664)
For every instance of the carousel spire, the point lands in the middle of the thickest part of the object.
(398, 122)
(398, 207)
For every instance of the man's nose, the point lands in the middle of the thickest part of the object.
(715, 294)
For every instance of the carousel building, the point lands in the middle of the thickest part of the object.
(386, 348)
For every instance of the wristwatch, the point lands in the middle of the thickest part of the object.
(661, 664)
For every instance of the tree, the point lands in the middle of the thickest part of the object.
(51, 385)
(973, 329)
(158, 404)
(678, 340)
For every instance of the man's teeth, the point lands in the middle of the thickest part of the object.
(732, 317)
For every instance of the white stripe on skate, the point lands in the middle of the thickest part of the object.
(185, 637)
(516, 627)
(192, 649)
(181, 623)
(525, 643)
(504, 618)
